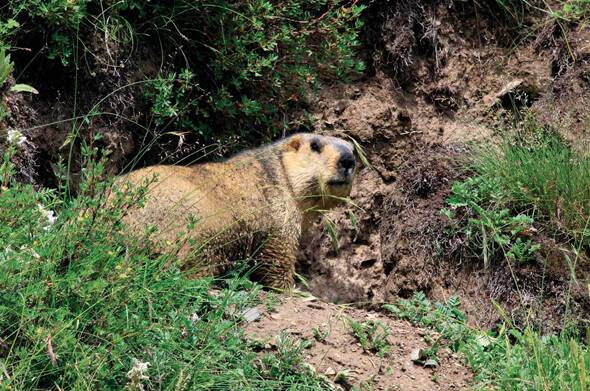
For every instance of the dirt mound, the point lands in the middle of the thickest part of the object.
(415, 136)
(336, 353)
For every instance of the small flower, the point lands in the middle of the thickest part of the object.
(15, 137)
(49, 215)
(136, 375)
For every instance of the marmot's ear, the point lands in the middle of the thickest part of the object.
(294, 143)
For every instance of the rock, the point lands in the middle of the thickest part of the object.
(251, 314)
(416, 355)
(517, 93)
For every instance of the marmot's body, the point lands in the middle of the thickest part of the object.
(252, 205)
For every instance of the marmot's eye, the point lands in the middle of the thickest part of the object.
(315, 146)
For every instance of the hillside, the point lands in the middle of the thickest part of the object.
(461, 261)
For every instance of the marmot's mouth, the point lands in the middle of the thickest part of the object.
(339, 182)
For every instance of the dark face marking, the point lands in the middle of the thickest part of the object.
(315, 145)
(345, 165)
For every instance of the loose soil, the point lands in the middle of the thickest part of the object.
(341, 358)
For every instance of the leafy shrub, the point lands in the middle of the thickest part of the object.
(257, 59)
(231, 67)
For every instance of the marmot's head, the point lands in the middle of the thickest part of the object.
(320, 168)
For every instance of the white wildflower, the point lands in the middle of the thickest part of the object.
(16, 137)
(136, 375)
(49, 215)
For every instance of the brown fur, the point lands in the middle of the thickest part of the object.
(255, 204)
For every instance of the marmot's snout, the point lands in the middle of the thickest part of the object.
(346, 165)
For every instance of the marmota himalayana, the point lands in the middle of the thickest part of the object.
(252, 206)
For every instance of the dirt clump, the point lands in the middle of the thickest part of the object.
(336, 353)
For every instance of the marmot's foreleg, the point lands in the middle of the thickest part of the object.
(276, 267)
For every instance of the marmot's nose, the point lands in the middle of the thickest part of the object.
(347, 161)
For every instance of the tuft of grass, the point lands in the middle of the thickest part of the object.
(508, 359)
(320, 333)
(532, 179)
(548, 179)
(271, 301)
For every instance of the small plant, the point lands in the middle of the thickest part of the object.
(320, 333)
(490, 230)
(575, 10)
(522, 250)
(372, 335)
(270, 301)
(342, 377)
(286, 366)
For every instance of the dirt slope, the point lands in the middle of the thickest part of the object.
(415, 136)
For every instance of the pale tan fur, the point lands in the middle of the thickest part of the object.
(255, 204)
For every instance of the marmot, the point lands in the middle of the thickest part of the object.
(252, 206)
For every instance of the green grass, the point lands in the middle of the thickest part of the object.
(547, 179)
(531, 180)
(508, 359)
(85, 306)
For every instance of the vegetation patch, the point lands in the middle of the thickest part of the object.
(530, 181)
(218, 69)
(508, 358)
(84, 305)
(372, 335)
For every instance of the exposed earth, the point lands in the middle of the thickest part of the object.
(338, 355)
(417, 139)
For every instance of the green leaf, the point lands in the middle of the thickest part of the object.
(456, 201)
(11, 24)
(502, 240)
(23, 88)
